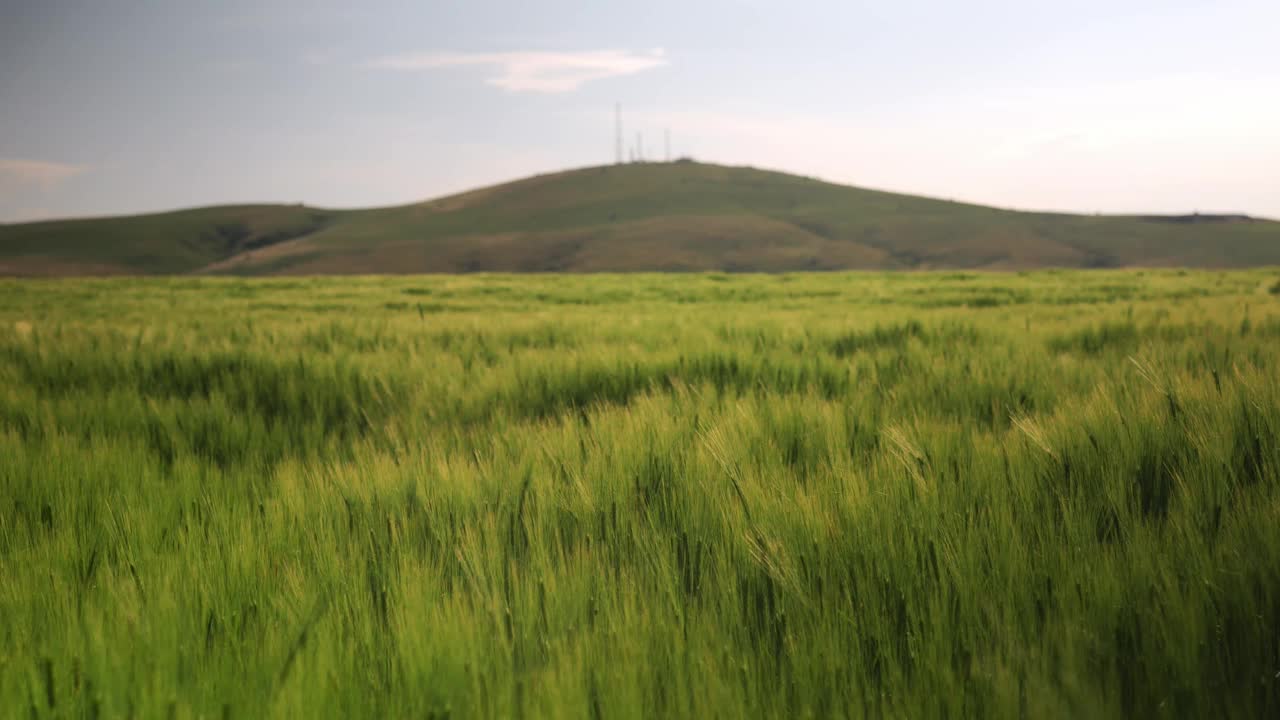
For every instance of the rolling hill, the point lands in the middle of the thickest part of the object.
(680, 216)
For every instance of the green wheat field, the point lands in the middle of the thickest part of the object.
(1047, 494)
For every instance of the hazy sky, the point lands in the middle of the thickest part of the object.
(111, 106)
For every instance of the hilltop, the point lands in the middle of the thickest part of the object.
(680, 216)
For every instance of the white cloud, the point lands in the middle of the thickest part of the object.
(545, 72)
(18, 174)
(1167, 144)
(27, 214)
(318, 57)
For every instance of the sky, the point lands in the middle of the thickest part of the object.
(124, 106)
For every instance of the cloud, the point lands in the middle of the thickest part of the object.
(26, 214)
(318, 57)
(231, 65)
(544, 72)
(1031, 150)
(18, 174)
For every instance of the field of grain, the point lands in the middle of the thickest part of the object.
(1052, 494)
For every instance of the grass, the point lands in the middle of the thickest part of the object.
(163, 243)
(645, 217)
(1046, 495)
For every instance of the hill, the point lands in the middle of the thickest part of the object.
(646, 217)
(173, 242)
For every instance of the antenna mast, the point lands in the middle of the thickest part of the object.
(617, 148)
(666, 139)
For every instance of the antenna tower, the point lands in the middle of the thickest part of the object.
(617, 147)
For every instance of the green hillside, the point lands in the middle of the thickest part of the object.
(173, 242)
(675, 216)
